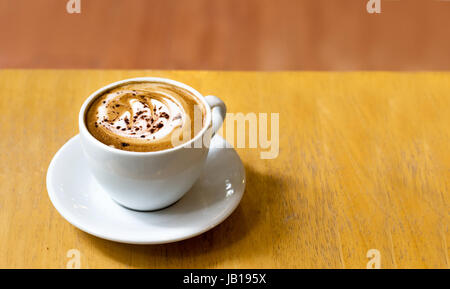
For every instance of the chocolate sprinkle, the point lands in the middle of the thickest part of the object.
(125, 144)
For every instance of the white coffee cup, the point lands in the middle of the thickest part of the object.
(146, 181)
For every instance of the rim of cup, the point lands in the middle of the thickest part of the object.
(94, 95)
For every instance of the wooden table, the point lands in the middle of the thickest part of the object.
(364, 163)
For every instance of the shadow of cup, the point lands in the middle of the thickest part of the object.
(241, 238)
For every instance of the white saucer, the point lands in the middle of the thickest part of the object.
(83, 203)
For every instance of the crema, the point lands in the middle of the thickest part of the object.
(143, 116)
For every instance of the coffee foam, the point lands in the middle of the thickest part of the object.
(142, 116)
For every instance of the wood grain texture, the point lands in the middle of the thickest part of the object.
(364, 163)
(226, 35)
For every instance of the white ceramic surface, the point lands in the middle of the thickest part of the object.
(85, 204)
(136, 179)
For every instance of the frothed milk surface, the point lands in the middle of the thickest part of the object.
(143, 116)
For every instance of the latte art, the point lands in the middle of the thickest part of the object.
(138, 114)
(142, 116)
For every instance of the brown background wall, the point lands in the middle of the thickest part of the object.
(226, 34)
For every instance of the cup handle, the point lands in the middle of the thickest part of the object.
(218, 112)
